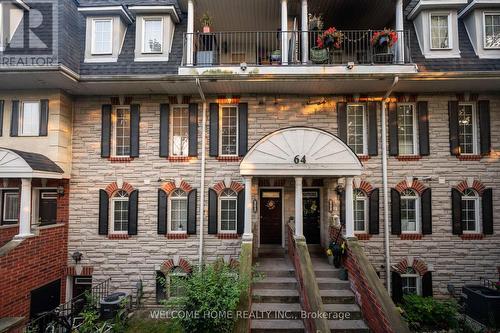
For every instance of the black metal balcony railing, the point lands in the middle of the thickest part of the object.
(260, 48)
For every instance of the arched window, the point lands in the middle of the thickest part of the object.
(411, 282)
(410, 212)
(228, 211)
(119, 212)
(470, 211)
(175, 282)
(360, 211)
(178, 212)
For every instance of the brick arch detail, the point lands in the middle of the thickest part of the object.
(168, 187)
(113, 187)
(416, 185)
(476, 185)
(221, 186)
(418, 265)
(168, 265)
(365, 187)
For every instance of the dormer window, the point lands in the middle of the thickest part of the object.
(440, 31)
(152, 39)
(102, 36)
(492, 30)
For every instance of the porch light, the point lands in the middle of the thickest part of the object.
(339, 189)
(77, 257)
(60, 190)
(254, 205)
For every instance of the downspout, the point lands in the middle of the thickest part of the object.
(202, 171)
(384, 181)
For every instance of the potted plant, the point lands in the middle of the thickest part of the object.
(330, 39)
(206, 22)
(329, 254)
(383, 41)
(315, 22)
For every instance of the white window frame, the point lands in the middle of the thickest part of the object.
(477, 215)
(92, 36)
(475, 129)
(114, 199)
(219, 212)
(6, 191)
(168, 281)
(152, 18)
(418, 282)
(484, 30)
(113, 129)
(221, 107)
(365, 126)
(415, 129)
(21, 119)
(169, 221)
(365, 200)
(418, 222)
(171, 127)
(450, 31)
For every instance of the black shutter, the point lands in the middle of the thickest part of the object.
(193, 130)
(487, 203)
(484, 127)
(162, 212)
(342, 121)
(453, 123)
(373, 108)
(103, 212)
(395, 212)
(342, 208)
(214, 130)
(456, 211)
(14, 119)
(393, 129)
(426, 201)
(397, 287)
(44, 117)
(191, 223)
(242, 129)
(212, 211)
(241, 212)
(106, 131)
(133, 202)
(423, 128)
(373, 227)
(164, 128)
(134, 130)
(1, 117)
(427, 284)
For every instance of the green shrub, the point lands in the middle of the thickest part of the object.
(427, 313)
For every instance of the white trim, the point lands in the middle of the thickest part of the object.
(152, 18)
(5, 191)
(484, 30)
(450, 31)
(112, 201)
(22, 4)
(415, 128)
(432, 4)
(364, 127)
(21, 116)
(93, 39)
(478, 4)
(171, 132)
(477, 216)
(113, 129)
(169, 220)
(283, 222)
(167, 282)
(475, 128)
(156, 10)
(418, 222)
(418, 281)
(219, 207)
(221, 107)
(366, 209)
(116, 10)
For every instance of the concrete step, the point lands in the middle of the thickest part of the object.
(326, 272)
(275, 296)
(343, 311)
(271, 282)
(337, 296)
(332, 283)
(275, 326)
(282, 311)
(348, 326)
(275, 273)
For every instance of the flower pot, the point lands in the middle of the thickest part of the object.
(206, 29)
(319, 56)
(330, 260)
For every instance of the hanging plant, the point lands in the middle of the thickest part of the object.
(384, 38)
(331, 39)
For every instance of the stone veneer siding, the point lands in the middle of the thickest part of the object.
(452, 259)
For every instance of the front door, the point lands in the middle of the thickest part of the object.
(271, 217)
(312, 215)
(45, 298)
(47, 210)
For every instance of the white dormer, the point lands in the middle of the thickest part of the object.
(11, 15)
(105, 32)
(154, 32)
(482, 22)
(436, 25)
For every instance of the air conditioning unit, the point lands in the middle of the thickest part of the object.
(110, 305)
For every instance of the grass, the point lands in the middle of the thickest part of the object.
(136, 325)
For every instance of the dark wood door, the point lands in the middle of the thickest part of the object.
(47, 210)
(45, 298)
(81, 285)
(271, 217)
(311, 215)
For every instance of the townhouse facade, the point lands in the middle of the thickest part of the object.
(147, 145)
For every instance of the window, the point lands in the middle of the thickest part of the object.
(356, 129)
(178, 212)
(467, 129)
(228, 204)
(407, 131)
(409, 212)
(161, 293)
(229, 131)
(440, 30)
(120, 131)
(360, 211)
(175, 285)
(119, 212)
(179, 127)
(102, 36)
(411, 282)
(152, 37)
(470, 211)
(492, 31)
(10, 210)
(29, 119)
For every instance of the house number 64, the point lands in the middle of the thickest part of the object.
(298, 159)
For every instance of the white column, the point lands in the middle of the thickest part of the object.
(349, 211)
(189, 34)
(400, 31)
(25, 211)
(248, 235)
(305, 35)
(284, 29)
(299, 227)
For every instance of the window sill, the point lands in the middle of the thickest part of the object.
(228, 158)
(408, 157)
(363, 236)
(120, 159)
(364, 158)
(7, 226)
(411, 236)
(471, 236)
(118, 236)
(228, 236)
(178, 159)
(469, 157)
(49, 226)
(177, 236)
